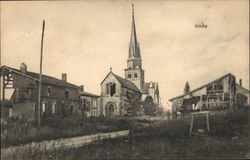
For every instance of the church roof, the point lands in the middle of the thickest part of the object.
(134, 46)
(126, 83)
(146, 86)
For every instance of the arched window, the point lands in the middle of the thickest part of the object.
(111, 88)
(129, 75)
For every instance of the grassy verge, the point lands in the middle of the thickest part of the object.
(229, 138)
(17, 133)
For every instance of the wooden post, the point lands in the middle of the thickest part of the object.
(208, 128)
(191, 125)
(3, 94)
(40, 81)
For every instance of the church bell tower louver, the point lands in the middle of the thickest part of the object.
(134, 71)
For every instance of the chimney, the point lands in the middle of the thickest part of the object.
(82, 88)
(23, 68)
(64, 77)
(240, 82)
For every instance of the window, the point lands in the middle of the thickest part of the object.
(10, 112)
(62, 109)
(84, 103)
(53, 108)
(67, 94)
(135, 75)
(107, 88)
(43, 108)
(49, 91)
(129, 75)
(87, 106)
(112, 89)
(29, 92)
(71, 109)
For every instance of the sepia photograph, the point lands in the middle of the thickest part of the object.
(124, 79)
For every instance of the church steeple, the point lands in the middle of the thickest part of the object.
(134, 71)
(134, 46)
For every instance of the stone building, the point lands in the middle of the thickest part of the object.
(58, 97)
(89, 103)
(134, 82)
(222, 93)
(115, 93)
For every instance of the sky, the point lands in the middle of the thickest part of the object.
(85, 38)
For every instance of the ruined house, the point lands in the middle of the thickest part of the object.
(222, 93)
(58, 97)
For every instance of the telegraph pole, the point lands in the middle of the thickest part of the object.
(40, 81)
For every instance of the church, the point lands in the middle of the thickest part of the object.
(121, 96)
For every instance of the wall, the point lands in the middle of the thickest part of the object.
(24, 110)
(60, 143)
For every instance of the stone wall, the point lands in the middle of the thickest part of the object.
(61, 143)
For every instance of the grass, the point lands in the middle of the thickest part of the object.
(17, 132)
(229, 138)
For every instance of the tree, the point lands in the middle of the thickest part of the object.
(149, 106)
(134, 100)
(187, 88)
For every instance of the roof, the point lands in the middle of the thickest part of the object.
(147, 85)
(124, 83)
(134, 46)
(239, 87)
(88, 94)
(205, 85)
(145, 88)
(45, 78)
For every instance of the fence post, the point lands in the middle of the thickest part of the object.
(208, 127)
(191, 125)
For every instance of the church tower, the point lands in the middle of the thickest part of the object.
(134, 71)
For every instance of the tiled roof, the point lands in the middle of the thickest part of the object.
(126, 83)
(45, 78)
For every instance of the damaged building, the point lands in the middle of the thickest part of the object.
(58, 97)
(222, 93)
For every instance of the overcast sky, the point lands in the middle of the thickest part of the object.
(85, 38)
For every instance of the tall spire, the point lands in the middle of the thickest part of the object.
(134, 48)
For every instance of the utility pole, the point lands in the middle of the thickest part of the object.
(40, 81)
